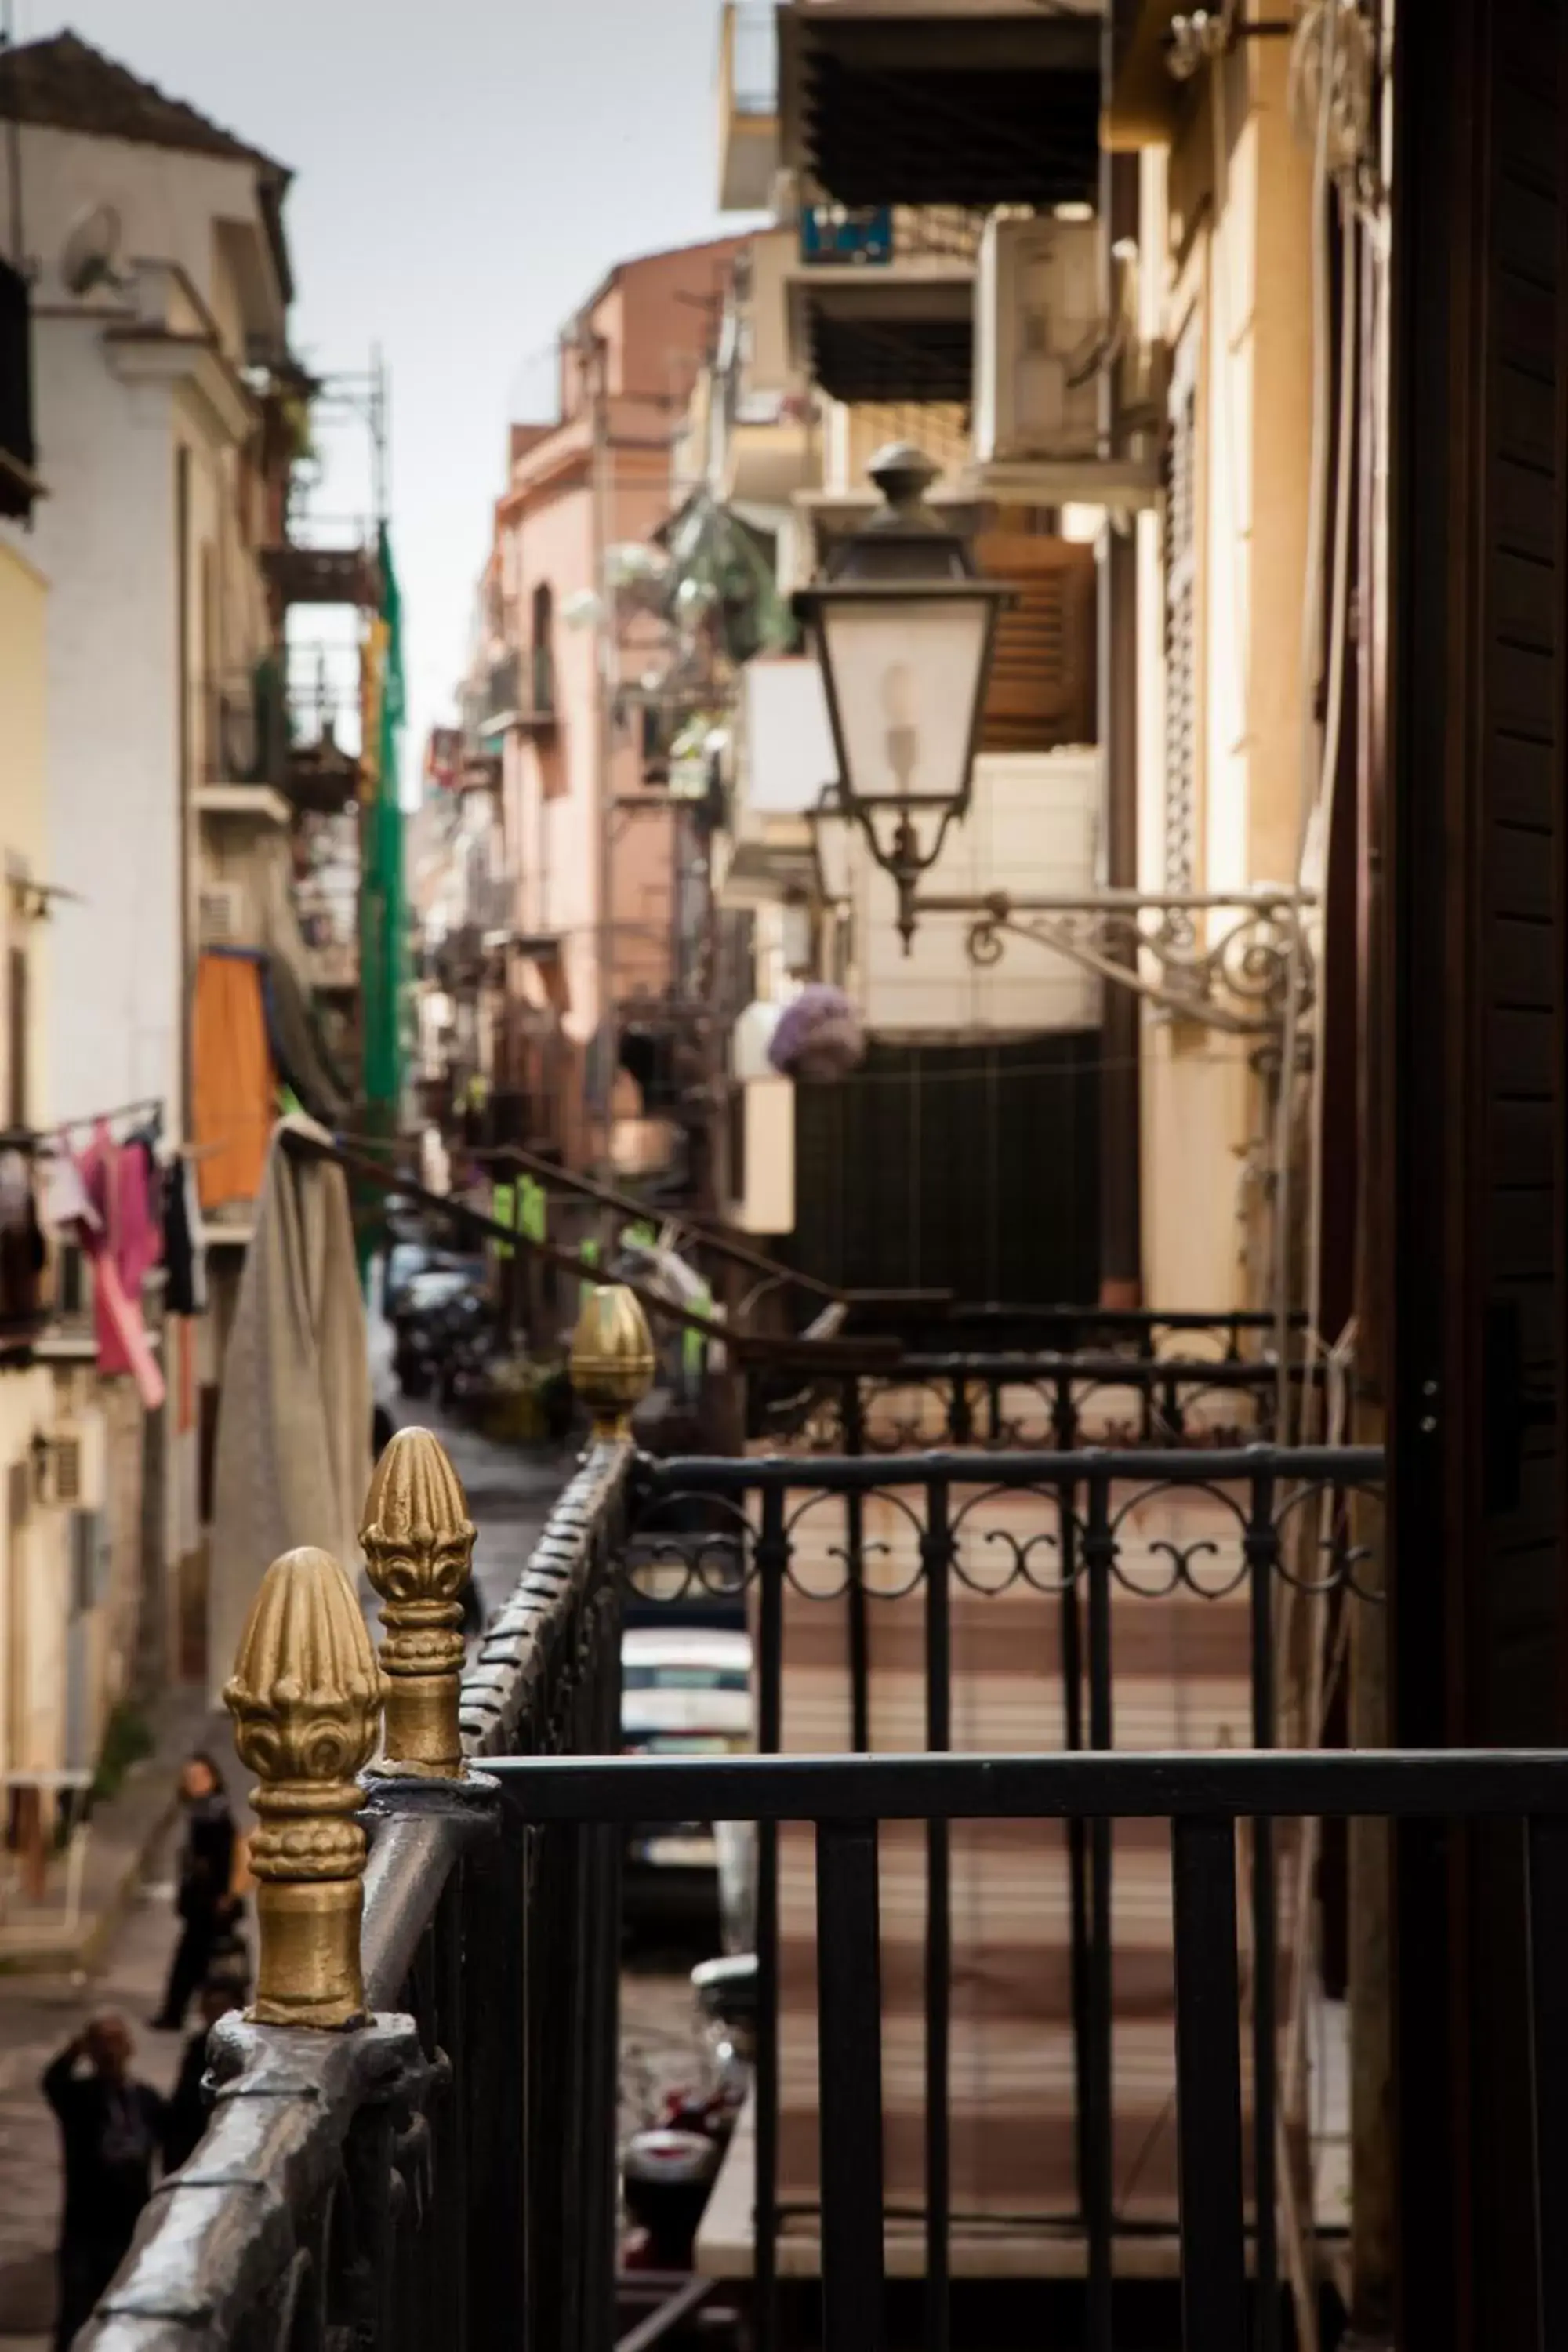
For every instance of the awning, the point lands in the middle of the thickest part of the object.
(881, 108)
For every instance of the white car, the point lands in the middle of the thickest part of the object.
(684, 1692)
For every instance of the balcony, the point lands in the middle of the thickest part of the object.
(910, 104)
(271, 744)
(325, 560)
(747, 106)
(333, 967)
(245, 747)
(881, 301)
(516, 695)
(1106, 2116)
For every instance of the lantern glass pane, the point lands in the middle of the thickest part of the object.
(906, 674)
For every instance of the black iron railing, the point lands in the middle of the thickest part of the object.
(1027, 1399)
(1204, 1798)
(447, 2175)
(1066, 1526)
(997, 1326)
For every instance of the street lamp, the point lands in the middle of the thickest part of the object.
(904, 634)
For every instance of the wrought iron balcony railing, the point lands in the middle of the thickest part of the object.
(1022, 1399)
(441, 2165)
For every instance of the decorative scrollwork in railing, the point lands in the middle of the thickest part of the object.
(706, 1541)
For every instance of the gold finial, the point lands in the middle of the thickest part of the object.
(611, 1359)
(418, 1545)
(305, 1695)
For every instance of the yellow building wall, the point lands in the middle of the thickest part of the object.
(1227, 247)
(24, 839)
(32, 1620)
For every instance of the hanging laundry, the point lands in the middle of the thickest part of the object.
(123, 1246)
(234, 1085)
(65, 1203)
(296, 1048)
(504, 1210)
(292, 1456)
(183, 1250)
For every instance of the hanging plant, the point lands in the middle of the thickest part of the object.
(819, 1035)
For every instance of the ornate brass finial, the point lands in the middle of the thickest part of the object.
(611, 1359)
(305, 1695)
(418, 1545)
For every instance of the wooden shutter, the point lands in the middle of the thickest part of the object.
(1477, 1214)
(1042, 680)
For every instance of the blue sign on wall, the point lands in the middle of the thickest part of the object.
(839, 233)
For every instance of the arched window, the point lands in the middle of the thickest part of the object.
(541, 672)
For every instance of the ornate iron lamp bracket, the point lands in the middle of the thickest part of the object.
(1235, 972)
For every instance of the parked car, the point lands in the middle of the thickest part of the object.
(685, 1691)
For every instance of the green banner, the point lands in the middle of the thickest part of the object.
(384, 943)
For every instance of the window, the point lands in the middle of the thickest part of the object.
(541, 671)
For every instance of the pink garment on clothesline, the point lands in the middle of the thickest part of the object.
(123, 1253)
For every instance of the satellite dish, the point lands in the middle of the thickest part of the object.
(91, 254)
(584, 610)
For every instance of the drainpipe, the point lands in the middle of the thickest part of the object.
(593, 351)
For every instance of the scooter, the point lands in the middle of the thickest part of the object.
(668, 2171)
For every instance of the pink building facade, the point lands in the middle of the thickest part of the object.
(590, 847)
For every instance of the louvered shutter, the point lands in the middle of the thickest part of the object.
(1042, 678)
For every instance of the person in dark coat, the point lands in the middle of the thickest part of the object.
(185, 2116)
(110, 2126)
(208, 1906)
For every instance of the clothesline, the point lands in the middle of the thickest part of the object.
(147, 1104)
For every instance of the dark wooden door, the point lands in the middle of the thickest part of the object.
(1479, 1207)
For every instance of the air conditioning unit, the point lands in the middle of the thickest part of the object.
(1038, 325)
(220, 915)
(761, 1156)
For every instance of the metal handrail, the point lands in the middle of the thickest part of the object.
(445, 2169)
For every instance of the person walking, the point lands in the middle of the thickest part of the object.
(209, 1899)
(110, 2126)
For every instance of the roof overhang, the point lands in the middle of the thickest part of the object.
(152, 354)
(884, 104)
(882, 335)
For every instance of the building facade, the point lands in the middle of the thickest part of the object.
(143, 802)
(558, 717)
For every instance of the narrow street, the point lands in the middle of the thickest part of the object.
(511, 1489)
(38, 2014)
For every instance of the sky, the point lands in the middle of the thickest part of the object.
(466, 173)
